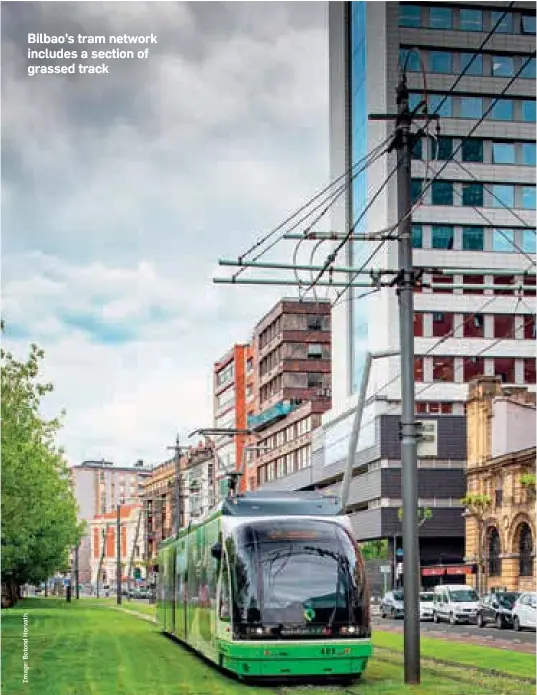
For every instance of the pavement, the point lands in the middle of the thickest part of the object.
(468, 634)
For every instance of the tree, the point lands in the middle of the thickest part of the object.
(477, 506)
(39, 513)
(423, 514)
(374, 550)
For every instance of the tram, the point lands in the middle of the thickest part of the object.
(269, 585)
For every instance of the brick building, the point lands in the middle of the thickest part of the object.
(501, 461)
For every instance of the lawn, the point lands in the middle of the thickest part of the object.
(86, 648)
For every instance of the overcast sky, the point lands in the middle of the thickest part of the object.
(121, 191)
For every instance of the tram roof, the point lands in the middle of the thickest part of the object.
(261, 503)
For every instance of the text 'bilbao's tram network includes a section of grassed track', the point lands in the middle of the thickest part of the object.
(269, 586)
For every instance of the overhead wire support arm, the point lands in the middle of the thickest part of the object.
(285, 282)
(289, 266)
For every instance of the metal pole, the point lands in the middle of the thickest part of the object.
(77, 576)
(177, 486)
(408, 427)
(118, 555)
(394, 580)
(132, 554)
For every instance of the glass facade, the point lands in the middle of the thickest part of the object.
(359, 145)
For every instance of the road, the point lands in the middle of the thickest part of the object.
(442, 629)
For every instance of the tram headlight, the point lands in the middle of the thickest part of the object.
(348, 630)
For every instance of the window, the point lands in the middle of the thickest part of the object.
(528, 198)
(409, 15)
(505, 26)
(528, 24)
(442, 193)
(504, 367)
(529, 68)
(417, 236)
(472, 280)
(525, 551)
(418, 325)
(502, 110)
(445, 282)
(249, 365)
(472, 194)
(418, 368)
(442, 105)
(528, 153)
(442, 237)
(503, 153)
(474, 367)
(411, 59)
(530, 331)
(443, 369)
(443, 150)
(315, 352)
(494, 548)
(472, 238)
(413, 100)
(474, 326)
(501, 282)
(314, 379)
(470, 107)
(528, 111)
(502, 66)
(415, 190)
(470, 20)
(503, 195)
(472, 63)
(504, 326)
(442, 325)
(441, 18)
(472, 150)
(314, 323)
(529, 370)
(503, 240)
(417, 149)
(440, 61)
(528, 240)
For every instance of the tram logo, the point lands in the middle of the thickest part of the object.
(309, 614)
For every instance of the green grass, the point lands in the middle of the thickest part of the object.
(134, 606)
(504, 660)
(86, 648)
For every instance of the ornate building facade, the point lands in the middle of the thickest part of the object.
(500, 518)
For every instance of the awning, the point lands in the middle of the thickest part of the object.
(440, 571)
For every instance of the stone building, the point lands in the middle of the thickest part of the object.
(500, 537)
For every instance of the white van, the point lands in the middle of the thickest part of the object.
(456, 603)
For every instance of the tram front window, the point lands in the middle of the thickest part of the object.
(298, 578)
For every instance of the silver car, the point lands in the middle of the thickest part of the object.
(426, 605)
(392, 605)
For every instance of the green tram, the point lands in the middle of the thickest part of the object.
(269, 586)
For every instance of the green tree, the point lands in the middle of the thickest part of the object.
(423, 515)
(374, 550)
(39, 514)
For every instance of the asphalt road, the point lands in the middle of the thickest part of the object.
(462, 630)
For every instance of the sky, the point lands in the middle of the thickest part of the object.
(120, 192)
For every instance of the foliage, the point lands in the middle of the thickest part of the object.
(39, 515)
(528, 480)
(476, 503)
(374, 550)
(424, 513)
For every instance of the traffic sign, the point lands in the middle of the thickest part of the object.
(385, 569)
(399, 552)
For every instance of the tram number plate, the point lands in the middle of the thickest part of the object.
(330, 651)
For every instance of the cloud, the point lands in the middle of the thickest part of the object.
(119, 195)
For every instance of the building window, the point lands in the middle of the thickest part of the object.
(447, 283)
(314, 323)
(527, 24)
(504, 326)
(525, 550)
(503, 195)
(474, 367)
(503, 240)
(502, 66)
(418, 368)
(502, 110)
(315, 351)
(472, 238)
(442, 237)
(415, 190)
(528, 197)
(504, 367)
(472, 63)
(528, 153)
(503, 153)
(249, 365)
(409, 15)
(442, 325)
(442, 193)
(417, 236)
(470, 20)
(440, 104)
(504, 282)
(506, 26)
(530, 331)
(528, 111)
(471, 107)
(494, 548)
(472, 195)
(418, 325)
(528, 240)
(441, 62)
(442, 148)
(474, 326)
(314, 380)
(417, 149)
(410, 59)
(472, 150)
(443, 369)
(441, 18)
(529, 370)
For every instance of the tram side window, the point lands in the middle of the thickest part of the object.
(224, 610)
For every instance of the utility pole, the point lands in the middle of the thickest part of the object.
(118, 555)
(409, 475)
(77, 577)
(177, 449)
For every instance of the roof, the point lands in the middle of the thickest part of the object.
(274, 503)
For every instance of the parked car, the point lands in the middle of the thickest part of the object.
(497, 608)
(524, 611)
(392, 605)
(456, 603)
(426, 605)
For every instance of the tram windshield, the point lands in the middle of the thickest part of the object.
(298, 577)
